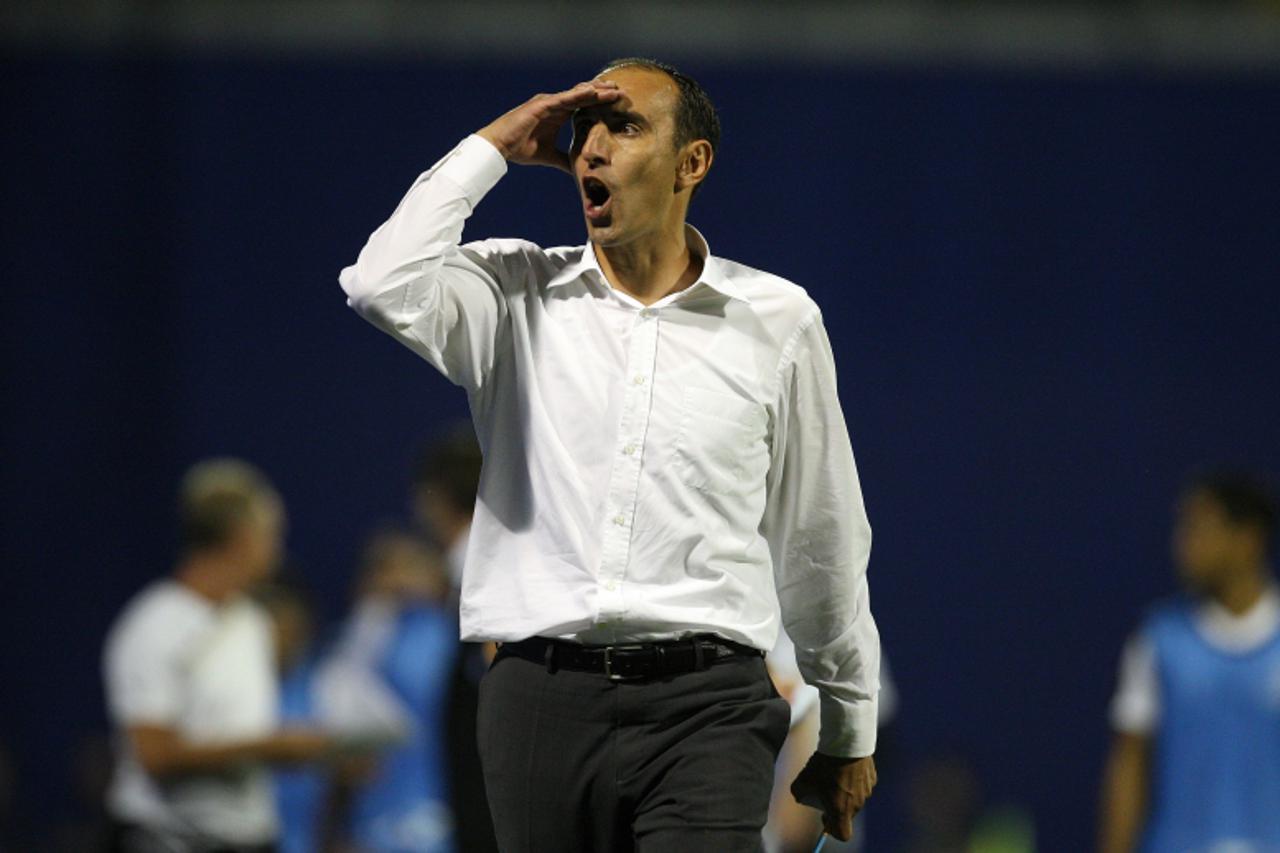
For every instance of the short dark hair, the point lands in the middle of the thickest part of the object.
(696, 116)
(452, 464)
(1244, 498)
(216, 497)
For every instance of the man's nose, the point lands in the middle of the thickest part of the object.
(595, 148)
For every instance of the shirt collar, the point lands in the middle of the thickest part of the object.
(712, 274)
(1244, 631)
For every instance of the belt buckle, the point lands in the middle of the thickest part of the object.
(608, 664)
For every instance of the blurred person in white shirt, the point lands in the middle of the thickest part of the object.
(191, 685)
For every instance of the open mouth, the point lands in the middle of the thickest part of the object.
(596, 197)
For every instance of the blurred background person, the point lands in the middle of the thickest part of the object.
(1195, 760)
(191, 684)
(308, 819)
(446, 479)
(385, 686)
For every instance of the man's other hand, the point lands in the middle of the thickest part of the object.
(527, 134)
(837, 787)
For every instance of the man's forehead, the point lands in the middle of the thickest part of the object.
(645, 90)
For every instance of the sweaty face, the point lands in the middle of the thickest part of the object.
(1203, 541)
(625, 160)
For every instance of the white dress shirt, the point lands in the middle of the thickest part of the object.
(649, 472)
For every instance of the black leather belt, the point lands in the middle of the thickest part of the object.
(630, 661)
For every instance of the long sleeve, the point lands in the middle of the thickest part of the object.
(415, 282)
(820, 541)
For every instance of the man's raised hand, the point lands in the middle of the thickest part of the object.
(527, 134)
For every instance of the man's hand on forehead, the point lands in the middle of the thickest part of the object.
(527, 134)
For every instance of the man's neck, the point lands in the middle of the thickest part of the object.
(1243, 591)
(651, 267)
(206, 577)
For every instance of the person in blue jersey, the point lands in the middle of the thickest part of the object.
(302, 793)
(446, 479)
(1195, 762)
(387, 679)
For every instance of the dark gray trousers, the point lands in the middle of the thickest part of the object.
(574, 762)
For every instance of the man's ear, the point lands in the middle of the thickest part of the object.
(695, 162)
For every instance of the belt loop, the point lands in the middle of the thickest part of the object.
(549, 658)
(698, 663)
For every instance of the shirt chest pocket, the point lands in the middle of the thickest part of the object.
(720, 445)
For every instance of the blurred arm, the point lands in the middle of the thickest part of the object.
(163, 752)
(1125, 790)
(1126, 784)
(794, 826)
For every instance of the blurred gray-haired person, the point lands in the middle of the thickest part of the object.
(191, 685)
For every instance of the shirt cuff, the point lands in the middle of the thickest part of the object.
(848, 729)
(475, 166)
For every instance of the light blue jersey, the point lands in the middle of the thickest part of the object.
(1216, 770)
(405, 807)
(301, 792)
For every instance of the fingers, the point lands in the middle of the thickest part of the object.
(839, 796)
(837, 812)
(837, 817)
(840, 826)
(806, 792)
(584, 94)
(593, 89)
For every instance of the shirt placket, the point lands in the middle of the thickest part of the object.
(628, 453)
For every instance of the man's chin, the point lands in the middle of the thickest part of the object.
(602, 232)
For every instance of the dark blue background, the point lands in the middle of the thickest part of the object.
(1050, 294)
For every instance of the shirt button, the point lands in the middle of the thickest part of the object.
(611, 586)
(619, 520)
(639, 380)
(647, 313)
(629, 449)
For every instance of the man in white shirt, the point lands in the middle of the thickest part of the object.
(1195, 761)
(190, 681)
(665, 462)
